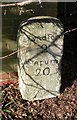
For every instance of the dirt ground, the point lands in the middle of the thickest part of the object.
(63, 107)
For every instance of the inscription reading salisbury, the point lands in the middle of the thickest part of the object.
(43, 62)
(42, 67)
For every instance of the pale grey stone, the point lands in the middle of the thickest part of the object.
(40, 44)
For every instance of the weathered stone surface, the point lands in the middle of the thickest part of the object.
(41, 45)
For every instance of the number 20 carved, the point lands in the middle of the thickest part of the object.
(46, 71)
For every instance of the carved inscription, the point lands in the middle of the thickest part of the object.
(45, 71)
(44, 67)
(46, 37)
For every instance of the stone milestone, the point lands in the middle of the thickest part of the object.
(40, 45)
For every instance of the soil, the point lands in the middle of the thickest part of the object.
(63, 107)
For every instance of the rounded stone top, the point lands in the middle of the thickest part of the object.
(45, 19)
(42, 17)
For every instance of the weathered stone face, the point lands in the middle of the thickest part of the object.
(41, 47)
